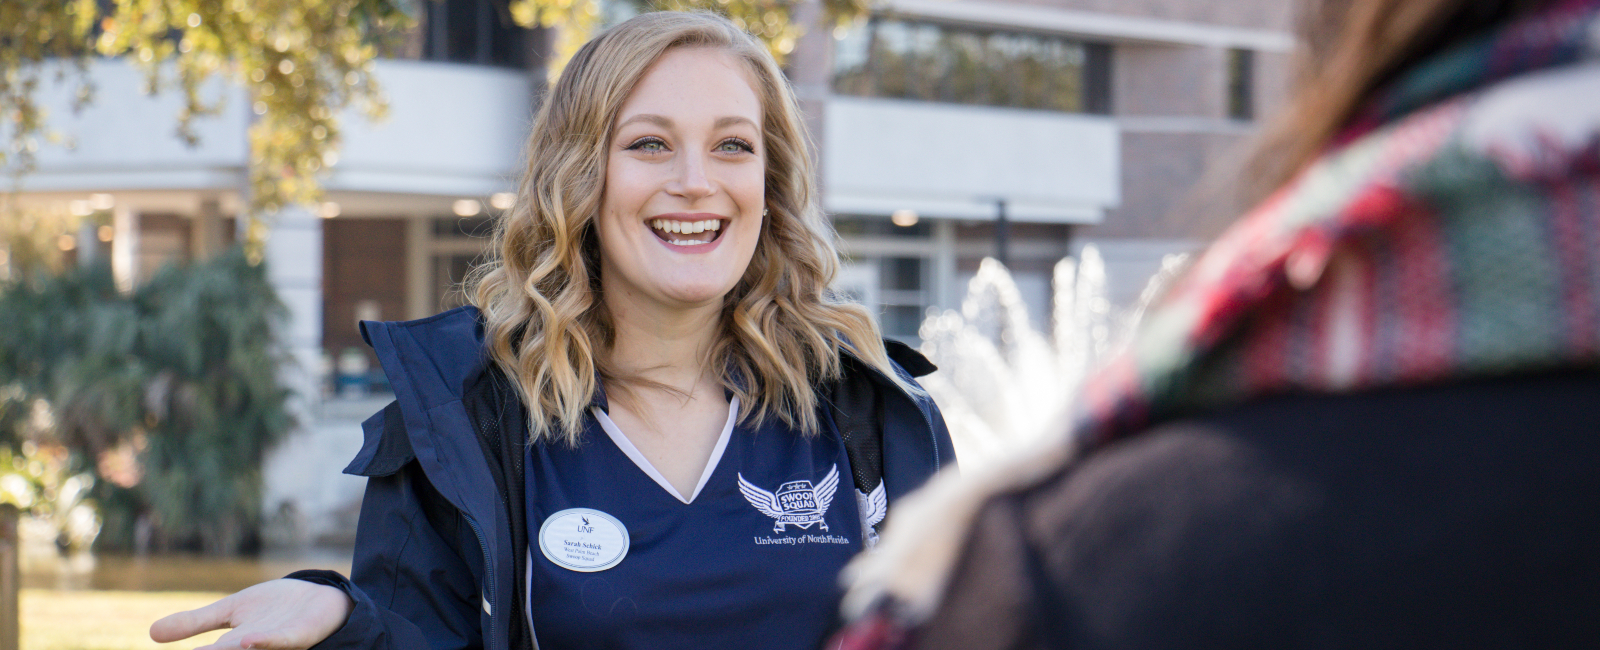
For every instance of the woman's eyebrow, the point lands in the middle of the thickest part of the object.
(666, 123)
(724, 122)
(658, 120)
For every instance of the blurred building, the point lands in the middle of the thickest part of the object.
(1082, 120)
(1077, 121)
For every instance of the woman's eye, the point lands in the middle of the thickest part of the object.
(735, 145)
(648, 145)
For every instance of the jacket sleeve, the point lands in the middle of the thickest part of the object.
(414, 580)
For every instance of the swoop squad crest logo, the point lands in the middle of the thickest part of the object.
(796, 503)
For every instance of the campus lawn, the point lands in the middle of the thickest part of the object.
(103, 620)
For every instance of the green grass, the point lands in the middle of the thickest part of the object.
(103, 620)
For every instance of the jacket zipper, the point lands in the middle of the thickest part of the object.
(488, 563)
(488, 566)
(488, 574)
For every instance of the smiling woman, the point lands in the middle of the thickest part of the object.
(675, 167)
(687, 121)
(635, 438)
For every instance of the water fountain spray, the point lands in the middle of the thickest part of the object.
(1004, 385)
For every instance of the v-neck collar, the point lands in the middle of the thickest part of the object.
(623, 443)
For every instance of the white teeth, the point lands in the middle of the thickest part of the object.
(686, 227)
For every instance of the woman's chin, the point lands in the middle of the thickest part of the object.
(693, 295)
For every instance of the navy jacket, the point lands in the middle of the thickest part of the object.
(441, 545)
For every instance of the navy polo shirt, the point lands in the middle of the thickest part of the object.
(619, 559)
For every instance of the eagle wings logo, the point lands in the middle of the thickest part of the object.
(796, 503)
(873, 508)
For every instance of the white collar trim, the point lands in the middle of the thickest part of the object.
(622, 442)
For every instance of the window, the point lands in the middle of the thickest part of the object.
(479, 227)
(473, 31)
(459, 245)
(1241, 84)
(905, 300)
(941, 63)
(860, 226)
(894, 288)
(889, 269)
(449, 274)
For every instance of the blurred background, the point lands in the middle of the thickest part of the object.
(202, 202)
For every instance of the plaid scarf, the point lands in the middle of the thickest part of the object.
(1456, 234)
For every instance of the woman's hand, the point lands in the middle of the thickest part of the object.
(282, 614)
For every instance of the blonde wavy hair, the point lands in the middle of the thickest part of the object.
(545, 319)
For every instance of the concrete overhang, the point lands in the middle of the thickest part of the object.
(959, 161)
(1095, 25)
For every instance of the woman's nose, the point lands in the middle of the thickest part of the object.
(691, 180)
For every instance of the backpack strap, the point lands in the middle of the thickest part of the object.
(858, 411)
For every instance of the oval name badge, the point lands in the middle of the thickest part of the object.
(583, 539)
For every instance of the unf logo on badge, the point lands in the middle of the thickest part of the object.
(583, 539)
(796, 503)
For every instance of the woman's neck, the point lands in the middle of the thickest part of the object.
(661, 344)
(665, 399)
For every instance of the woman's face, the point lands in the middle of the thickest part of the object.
(684, 187)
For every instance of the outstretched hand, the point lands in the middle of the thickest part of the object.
(282, 614)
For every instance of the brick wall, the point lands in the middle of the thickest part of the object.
(1168, 80)
(1159, 172)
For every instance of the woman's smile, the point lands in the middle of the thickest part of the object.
(688, 233)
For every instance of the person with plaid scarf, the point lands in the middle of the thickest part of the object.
(1368, 416)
